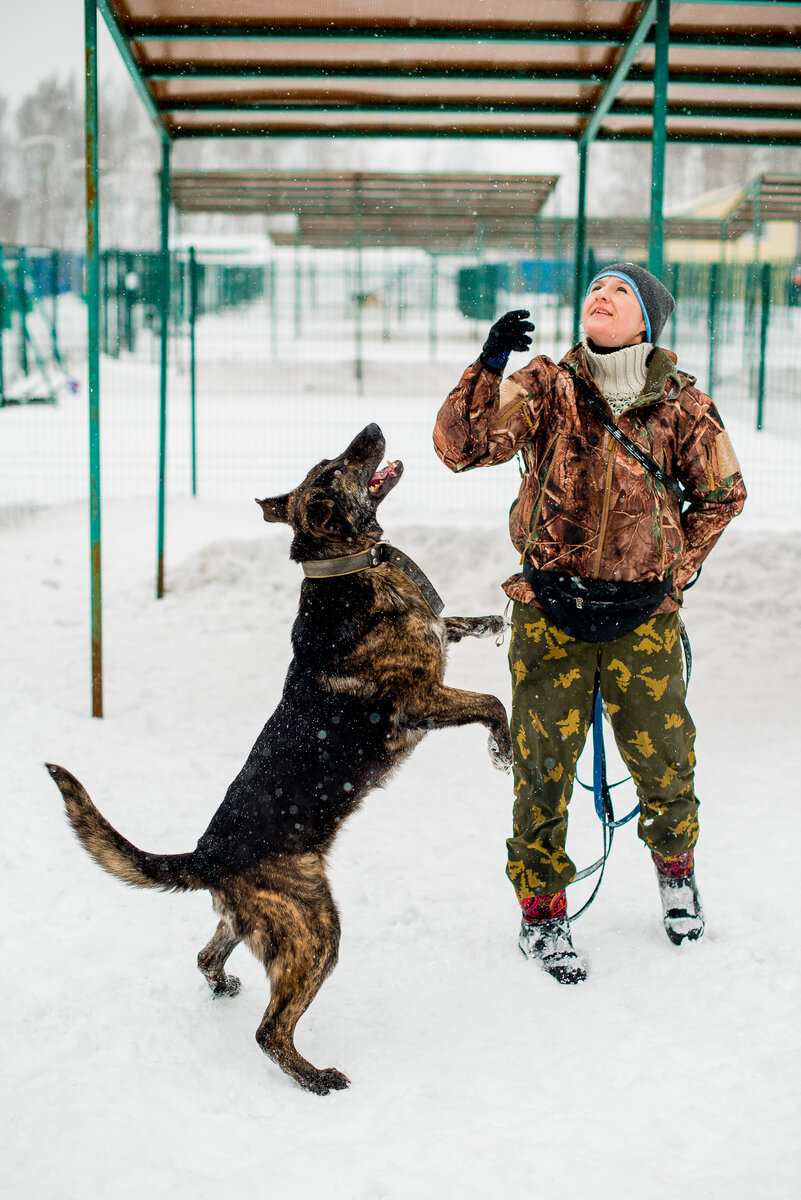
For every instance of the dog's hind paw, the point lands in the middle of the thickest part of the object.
(327, 1081)
(501, 757)
(230, 986)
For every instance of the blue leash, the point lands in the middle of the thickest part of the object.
(601, 788)
(599, 756)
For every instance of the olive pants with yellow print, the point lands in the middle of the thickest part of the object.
(553, 686)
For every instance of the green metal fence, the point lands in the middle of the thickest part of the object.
(271, 358)
(33, 283)
(739, 325)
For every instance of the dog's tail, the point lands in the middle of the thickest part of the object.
(111, 851)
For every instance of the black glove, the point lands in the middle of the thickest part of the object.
(510, 332)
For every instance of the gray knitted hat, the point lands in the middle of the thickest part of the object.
(655, 300)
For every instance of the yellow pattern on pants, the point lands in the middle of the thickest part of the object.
(553, 685)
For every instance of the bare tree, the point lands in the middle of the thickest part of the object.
(9, 192)
(50, 140)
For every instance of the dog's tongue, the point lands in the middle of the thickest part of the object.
(383, 475)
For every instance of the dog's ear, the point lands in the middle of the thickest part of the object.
(275, 509)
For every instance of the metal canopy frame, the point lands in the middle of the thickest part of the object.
(356, 208)
(570, 69)
(769, 197)
(580, 70)
(462, 212)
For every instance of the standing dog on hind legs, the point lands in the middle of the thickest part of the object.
(364, 685)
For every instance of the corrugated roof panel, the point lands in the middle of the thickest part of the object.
(483, 68)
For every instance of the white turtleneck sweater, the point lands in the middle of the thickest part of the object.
(620, 375)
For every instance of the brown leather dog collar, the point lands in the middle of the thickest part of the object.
(364, 560)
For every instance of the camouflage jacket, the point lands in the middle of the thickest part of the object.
(586, 506)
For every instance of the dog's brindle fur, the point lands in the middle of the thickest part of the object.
(363, 687)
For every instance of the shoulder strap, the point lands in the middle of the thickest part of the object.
(642, 456)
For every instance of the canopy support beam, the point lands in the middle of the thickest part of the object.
(581, 239)
(164, 311)
(93, 346)
(656, 240)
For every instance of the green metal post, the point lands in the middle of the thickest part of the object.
(432, 308)
(273, 313)
(104, 308)
(617, 79)
(164, 310)
(581, 240)
(54, 299)
(754, 287)
(117, 303)
(756, 226)
(297, 285)
(481, 240)
(128, 308)
(674, 288)
(93, 320)
(386, 291)
(108, 262)
(631, 49)
(712, 311)
(357, 215)
(557, 280)
(538, 272)
(3, 302)
(661, 47)
(112, 304)
(763, 343)
(22, 301)
(192, 359)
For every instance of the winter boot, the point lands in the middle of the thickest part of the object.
(545, 937)
(682, 912)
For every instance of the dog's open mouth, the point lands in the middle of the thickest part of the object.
(385, 479)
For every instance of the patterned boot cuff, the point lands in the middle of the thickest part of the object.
(680, 867)
(537, 909)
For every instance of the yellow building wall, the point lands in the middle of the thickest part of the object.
(779, 244)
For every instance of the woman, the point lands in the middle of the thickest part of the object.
(606, 551)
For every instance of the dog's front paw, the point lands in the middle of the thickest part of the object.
(457, 628)
(229, 986)
(330, 1080)
(490, 626)
(501, 756)
(498, 624)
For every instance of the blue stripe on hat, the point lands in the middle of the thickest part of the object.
(626, 279)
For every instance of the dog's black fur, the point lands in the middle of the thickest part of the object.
(363, 687)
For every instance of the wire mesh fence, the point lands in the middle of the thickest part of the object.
(275, 362)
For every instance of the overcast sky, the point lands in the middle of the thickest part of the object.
(39, 38)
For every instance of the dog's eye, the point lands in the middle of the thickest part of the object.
(337, 474)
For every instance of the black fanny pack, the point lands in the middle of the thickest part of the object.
(595, 610)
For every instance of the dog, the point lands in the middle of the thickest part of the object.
(364, 686)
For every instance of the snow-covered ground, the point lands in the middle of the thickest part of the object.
(671, 1072)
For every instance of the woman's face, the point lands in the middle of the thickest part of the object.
(611, 315)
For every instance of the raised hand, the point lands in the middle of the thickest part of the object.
(510, 332)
